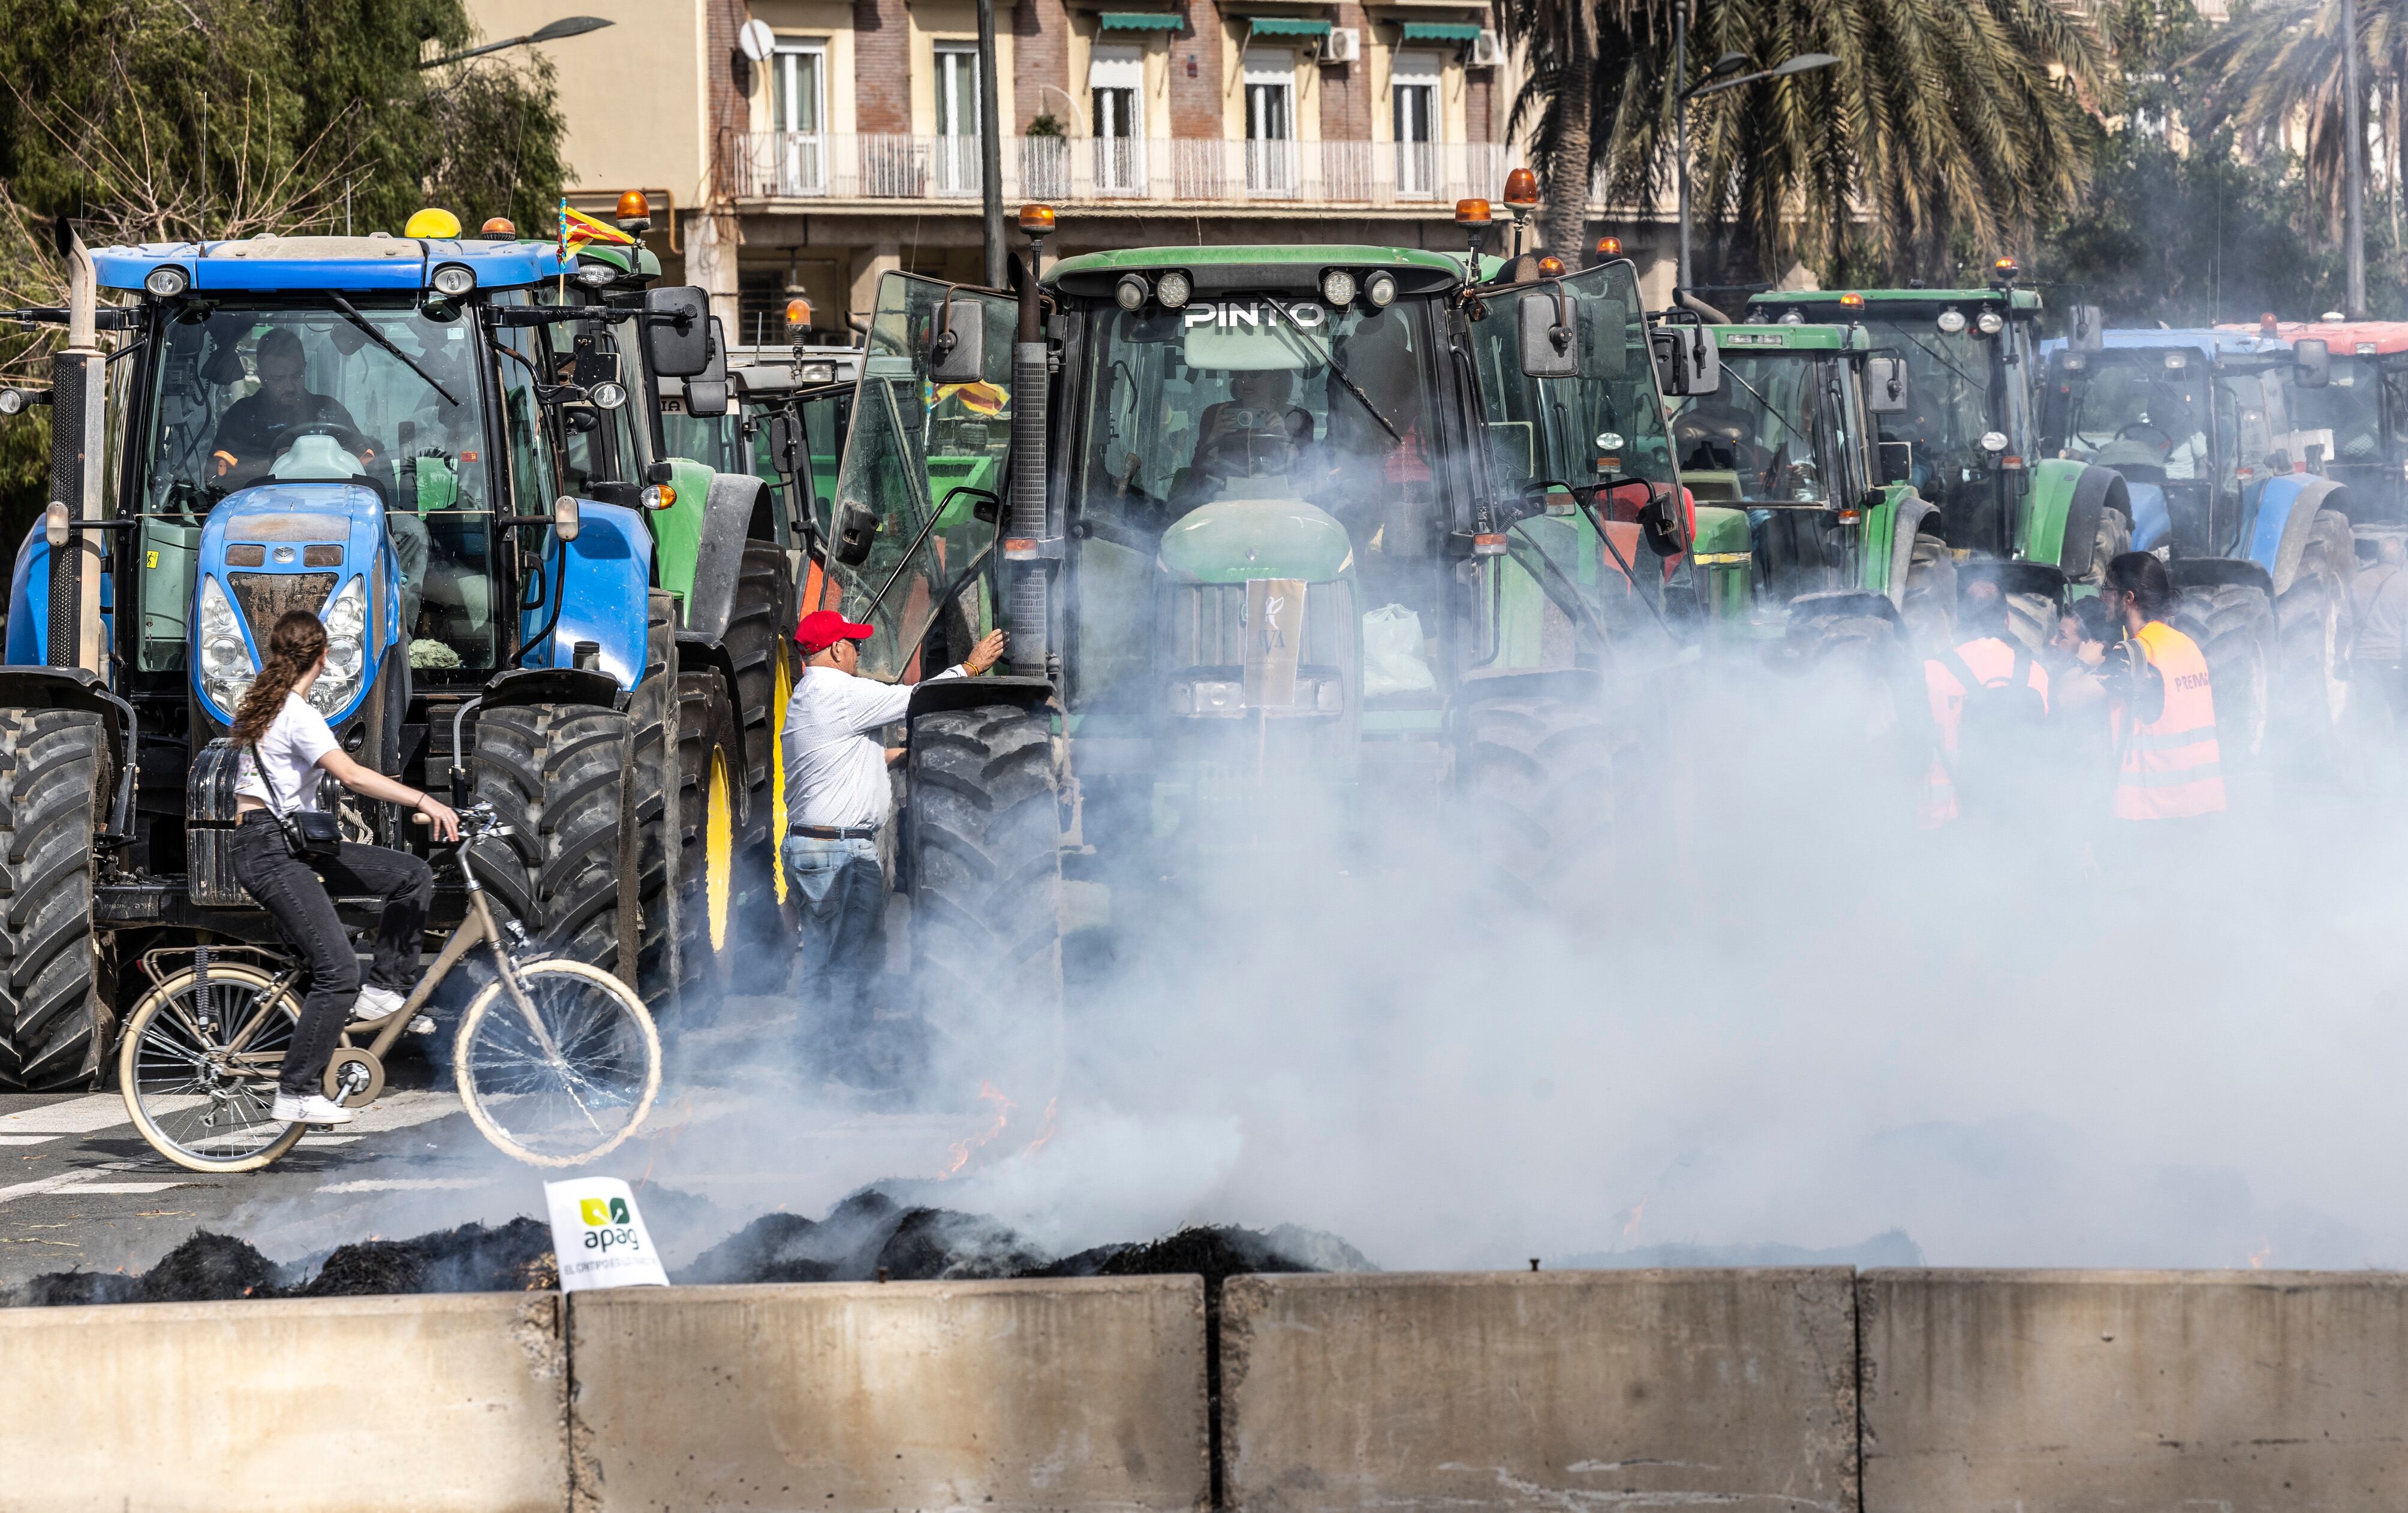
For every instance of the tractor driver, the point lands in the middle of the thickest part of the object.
(257, 429)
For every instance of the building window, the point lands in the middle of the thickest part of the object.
(1270, 121)
(1413, 94)
(797, 109)
(957, 120)
(1116, 91)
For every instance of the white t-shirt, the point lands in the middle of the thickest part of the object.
(294, 741)
(836, 770)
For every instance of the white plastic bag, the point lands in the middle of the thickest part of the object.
(1392, 653)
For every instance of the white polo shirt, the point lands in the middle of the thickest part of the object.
(835, 767)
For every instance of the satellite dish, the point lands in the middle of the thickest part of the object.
(756, 40)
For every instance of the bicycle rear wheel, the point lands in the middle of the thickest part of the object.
(197, 1101)
(572, 1084)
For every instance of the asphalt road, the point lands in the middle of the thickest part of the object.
(80, 1189)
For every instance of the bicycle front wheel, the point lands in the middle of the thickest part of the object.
(198, 1064)
(565, 1077)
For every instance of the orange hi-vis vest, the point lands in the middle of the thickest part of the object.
(1992, 662)
(2169, 768)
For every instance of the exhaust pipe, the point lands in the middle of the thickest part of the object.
(79, 394)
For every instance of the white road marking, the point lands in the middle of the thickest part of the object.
(26, 1139)
(400, 1110)
(72, 1115)
(406, 1184)
(48, 1184)
(82, 1188)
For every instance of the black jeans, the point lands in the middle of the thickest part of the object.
(292, 892)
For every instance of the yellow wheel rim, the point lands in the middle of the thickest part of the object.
(717, 850)
(781, 689)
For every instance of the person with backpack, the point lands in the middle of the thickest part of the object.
(1989, 703)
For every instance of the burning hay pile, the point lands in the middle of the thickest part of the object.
(870, 1236)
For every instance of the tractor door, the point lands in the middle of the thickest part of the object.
(913, 525)
(1572, 460)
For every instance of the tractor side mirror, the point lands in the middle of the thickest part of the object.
(958, 352)
(1686, 361)
(1659, 523)
(565, 522)
(1885, 385)
(677, 331)
(785, 444)
(2088, 331)
(856, 531)
(705, 393)
(1897, 462)
(2314, 356)
(1547, 335)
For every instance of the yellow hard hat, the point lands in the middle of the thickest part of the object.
(433, 224)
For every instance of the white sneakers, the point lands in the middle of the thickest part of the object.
(375, 1003)
(314, 1110)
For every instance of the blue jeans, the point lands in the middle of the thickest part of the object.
(841, 892)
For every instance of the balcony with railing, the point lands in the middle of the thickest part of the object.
(1105, 172)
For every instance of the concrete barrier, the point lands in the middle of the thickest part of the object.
(418, 1404)
(2034, 1391)
(1561, 1390)
(994, 1396)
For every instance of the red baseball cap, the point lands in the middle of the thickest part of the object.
(823, 628)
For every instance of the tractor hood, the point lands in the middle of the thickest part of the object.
(1237, 540)
(283, 546)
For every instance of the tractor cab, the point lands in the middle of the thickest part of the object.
(2355, 401)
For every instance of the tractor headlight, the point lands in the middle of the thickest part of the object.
(1337, 289)
(166, 280)
(1793, 318)
(1131, 292)
(1172, 290)
(453, 280)
(347, 648)
(1213, 696)
(1990, 322)
(595, 275)
(1952, 322)
(1381, 289)
(226, 668)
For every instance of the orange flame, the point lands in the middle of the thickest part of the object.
(2257, 1257)
(988, 1092)
(1047, 1132)
(1636, 1215)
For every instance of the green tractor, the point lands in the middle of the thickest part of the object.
(1968, 437)
(1802, 531)
(1334, 525)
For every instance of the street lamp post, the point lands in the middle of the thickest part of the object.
(991, 149)
(566, 26)
(1721, 77)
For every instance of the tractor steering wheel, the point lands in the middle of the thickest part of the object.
(2164, 443)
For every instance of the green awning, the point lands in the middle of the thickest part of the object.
(1424, 31)
(1288, 26)
(1138, 21)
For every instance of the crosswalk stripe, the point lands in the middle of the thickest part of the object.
(82, 1188)
(72, 1115)
(28, 1139)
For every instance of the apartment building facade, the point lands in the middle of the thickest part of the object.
(851, 146)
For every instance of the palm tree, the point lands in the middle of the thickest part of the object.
(1561, 38)
(2278, 68)
(1944, 120)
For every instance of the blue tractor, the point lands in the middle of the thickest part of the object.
(451, 451)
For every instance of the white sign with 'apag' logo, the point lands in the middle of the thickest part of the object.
(599, 1237)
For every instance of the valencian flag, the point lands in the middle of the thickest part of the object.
(577, 228)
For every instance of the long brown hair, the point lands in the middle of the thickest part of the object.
(292, 648)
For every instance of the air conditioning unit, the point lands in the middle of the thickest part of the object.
(1345, 45)
(1487, 50)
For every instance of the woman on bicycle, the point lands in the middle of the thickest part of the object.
(285, 742)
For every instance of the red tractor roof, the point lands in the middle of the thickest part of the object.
(2346, 338)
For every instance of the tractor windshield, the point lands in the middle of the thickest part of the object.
(299, 393)
(1948, 409)
(2142, 410)
(1782, 430)
(2362, 418)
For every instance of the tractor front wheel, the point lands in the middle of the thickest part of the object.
(711, 819)
(1537, 776)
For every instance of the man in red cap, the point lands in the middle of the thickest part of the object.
(838, 798)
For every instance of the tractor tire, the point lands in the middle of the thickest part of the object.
(1929, 604)
(557, 775)
(652, 799)
(2312, 689)
(2114, 539)
(2235, 628)
(710, 820)
(1537, 776)
(2032, 618)
(984, 838)
(56, 980)
(760, 645)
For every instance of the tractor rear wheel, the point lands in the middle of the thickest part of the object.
(710, 822)
(55, 979)
(2114, 539)
(984, 838)
(2234, 626)
(1538, 777)
(2314, 686)
(1929, 600)
(651, 802)
(557, 775)
(760, 646)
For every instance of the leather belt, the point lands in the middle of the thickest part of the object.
(835, 833)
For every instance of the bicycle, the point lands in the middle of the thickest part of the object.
(557, 1062)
